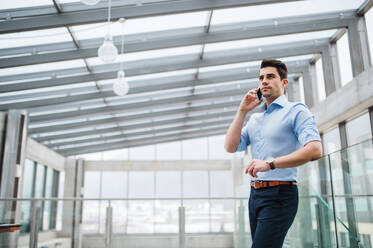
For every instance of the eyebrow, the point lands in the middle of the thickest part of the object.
(268, 74)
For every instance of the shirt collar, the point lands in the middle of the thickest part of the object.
(280, 101)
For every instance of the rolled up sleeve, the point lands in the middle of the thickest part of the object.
(304, 125)
(245, 140)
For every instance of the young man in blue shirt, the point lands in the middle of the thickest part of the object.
(282, 136)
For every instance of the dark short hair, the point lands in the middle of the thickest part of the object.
(279, 65)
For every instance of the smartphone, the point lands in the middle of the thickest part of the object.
(259, 94)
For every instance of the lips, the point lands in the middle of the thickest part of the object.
(266, 88)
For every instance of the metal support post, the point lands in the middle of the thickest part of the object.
(34, 230)
(181, 227)
(331, 71)
(310, 85)
(350, 205)
(359, 45)
(109, 226)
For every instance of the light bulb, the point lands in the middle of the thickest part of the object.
(90, 2)
(121, 87)
(108, 52)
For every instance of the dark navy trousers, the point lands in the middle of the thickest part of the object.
(271, 212)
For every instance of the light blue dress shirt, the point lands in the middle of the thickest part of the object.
(277, 131)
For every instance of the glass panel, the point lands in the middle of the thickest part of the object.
(314, 224)
(216, 148)
(358, 129)
(166, 216)
(168, 184)
(141, 25)
(39, 189)
(119, 216)
(197, 217)
(121, 154)
(289, 9)
(91, 216)
(221, 184)
(61, 183)
(142, 153)
(140, 217)
(265, 41)
(23, 4)
(141, 184)
(30, 38)
(243, 236)
(369, 23)
(46, 67)
(222, 216)
(301, 90)
(195, 184)
(27, 192)
(48, 194)
(114, 184)
(91, 156)
(28, 178)
(195, 149)
(169, 151)
(354, 169)
(331, 141)
(92, 184)
(344, 59)
(320, 80)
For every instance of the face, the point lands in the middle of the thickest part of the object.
(271, 84)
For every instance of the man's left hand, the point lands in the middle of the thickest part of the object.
(255, 166)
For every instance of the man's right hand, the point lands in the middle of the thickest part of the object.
(248, 103)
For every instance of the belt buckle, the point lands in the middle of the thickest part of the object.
(258, 184)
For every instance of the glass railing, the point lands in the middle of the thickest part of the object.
(336, 202)
(335, 210)
(107, 222)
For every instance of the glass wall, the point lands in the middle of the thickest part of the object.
(39, 181)
(151, 208)
(207, 148)
(369, 23)
(320, 80)
(331, 141)
(358, 129)
(344, 59)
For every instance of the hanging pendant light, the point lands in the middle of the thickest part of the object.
(90, 2)
(108, 52)
(121, 87)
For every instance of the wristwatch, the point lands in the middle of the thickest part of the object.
(271, 163)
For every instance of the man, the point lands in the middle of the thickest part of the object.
(282, 136)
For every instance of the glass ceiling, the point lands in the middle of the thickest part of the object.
(188, 66)
(289, 9)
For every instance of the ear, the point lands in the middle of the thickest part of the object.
(285, 82)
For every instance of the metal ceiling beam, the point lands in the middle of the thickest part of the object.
(281, 50)
(141, 142)
(100, 15)
(195, 35)
(171, 63)
(137, 105)
(143, 104)
(148, 85)
(143, 116)
(365, 7)
(125, 136)
(175, 38)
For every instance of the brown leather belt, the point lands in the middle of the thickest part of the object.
(266, 184)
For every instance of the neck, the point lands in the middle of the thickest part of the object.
(269, 100)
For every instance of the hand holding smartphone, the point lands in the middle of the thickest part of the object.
(259, 94)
